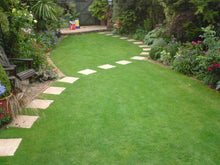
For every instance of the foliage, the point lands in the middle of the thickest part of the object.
(139, 34)
(210, 58)
(45, 73)
(98, 9)
(157, 48)
(127, 21)
(153, 35)
(45, 12)
(48, 39)
(176, 28)
(5, 117)
(5, 82)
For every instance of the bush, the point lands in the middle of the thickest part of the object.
(157, 48)
(139, 34)
(5, 117)
(209, 61)
(5, 82)
(153, 35)
(98, 9)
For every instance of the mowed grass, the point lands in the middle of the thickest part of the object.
(140, 113)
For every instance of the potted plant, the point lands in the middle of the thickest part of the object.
(5, 94)
(98, 9)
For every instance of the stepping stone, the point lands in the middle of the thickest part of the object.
(146, 49)
(137, 43)
(23, 121)
(102, 32)
(116, 36)
(144, 46)
(9, 146)
(54, 90)
(41, 104)
(144, 53)
(123, 38)
(123, 62)
(87, 71)
(109, 34)
(138, 58)
(131, 40)
(68, 79)
(106, 66)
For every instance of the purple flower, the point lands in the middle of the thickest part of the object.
(189, 52)
(191, 59)
(173, 41)
(168, 44)
(180, 58)
(194, 51)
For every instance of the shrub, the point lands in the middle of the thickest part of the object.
(210, 59)
(127, 21)
(153, 35)
(157, 48)
(5, 117)
(98, 9)
(45, 73)
(5, 82)
(48, 39)
(170, 51)
(139, 34)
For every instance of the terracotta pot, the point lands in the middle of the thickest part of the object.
(5, 104)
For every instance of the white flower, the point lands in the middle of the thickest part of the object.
(35, 21)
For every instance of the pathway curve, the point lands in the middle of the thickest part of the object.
(9, 146)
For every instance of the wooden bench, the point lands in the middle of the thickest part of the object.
(11, 70)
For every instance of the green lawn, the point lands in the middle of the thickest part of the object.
(140, 113)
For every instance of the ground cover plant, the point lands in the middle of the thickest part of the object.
(140, 113)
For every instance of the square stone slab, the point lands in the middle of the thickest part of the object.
(23, 121)
(115, 36)
(137, 43)
(106, 66)
(146, 49)
(54, 90)
(123, 62)
(144, 46)
(102, 32)
(41, 104)
(144, 53)
(109, 34)
(131, 40)
(124, 38)
(87, 71)
(9, 146)
(138, 58)
(68, 79)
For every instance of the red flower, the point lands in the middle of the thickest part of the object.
(193, 42)
(210, 69)
(6, 127)
(204, 52)
(210, 86)
(1, 116)
(3, 112)
(199, 42)
(34, 31)
(214, 64)
(158, 28)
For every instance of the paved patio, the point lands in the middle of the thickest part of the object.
(83, 29)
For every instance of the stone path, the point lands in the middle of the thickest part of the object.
(8, 147)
